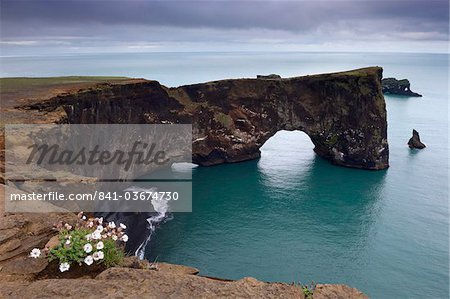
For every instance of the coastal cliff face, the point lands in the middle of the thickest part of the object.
(344, 114)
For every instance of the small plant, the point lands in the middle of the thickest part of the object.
(87, 242)
(308, 290)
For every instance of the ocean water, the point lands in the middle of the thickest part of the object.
(291, 216)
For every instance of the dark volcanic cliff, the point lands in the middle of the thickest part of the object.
(344, 114)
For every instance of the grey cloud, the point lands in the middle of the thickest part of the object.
(281, 15)
(92, 24)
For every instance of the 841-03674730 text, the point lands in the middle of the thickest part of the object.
(97, 195)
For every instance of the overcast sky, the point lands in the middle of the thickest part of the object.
(49, 27)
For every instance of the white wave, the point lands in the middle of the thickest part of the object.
(161, 208)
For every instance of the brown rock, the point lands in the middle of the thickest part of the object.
(138, 283)
(180, 269)
(414, 141)
(19, 234)
(9, 245)
(8, 233)
(52, 243)
(337, 291)
(135, 263)
(24, 265)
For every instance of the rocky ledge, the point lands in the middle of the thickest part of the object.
(398, 87)
(344, 114)
(122, 282)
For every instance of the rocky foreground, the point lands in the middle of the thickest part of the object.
(25, 277)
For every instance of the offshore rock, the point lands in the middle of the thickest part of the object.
(271, 76)
(398, 87)
(344, 114)
(414, 141)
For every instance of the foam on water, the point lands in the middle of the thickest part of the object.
(161, 208)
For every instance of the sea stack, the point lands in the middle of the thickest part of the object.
(414, 141)
(271, 76)
(398, 87)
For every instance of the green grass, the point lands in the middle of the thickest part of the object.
(11, 84)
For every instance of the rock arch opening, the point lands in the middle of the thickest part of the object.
(287, 149)
(284, 156)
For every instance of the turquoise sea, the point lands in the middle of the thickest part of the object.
(291, 216)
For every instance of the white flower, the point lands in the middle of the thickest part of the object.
(100, 245)
(100, 220)
(123, 226)
(90, 224)
(98, 255)
(96, 235)
(87, 247)
(68, 242)
(88, 260)
(99, 228)
(64, 267)
(84, 217)
(35, 253)
(111, 225)
(125, 238)
(88, 237)
(114, 237)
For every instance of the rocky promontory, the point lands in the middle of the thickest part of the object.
(344, 114)
(398, 87)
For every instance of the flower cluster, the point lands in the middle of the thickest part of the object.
(89, 240)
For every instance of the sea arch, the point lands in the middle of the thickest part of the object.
(343, 113)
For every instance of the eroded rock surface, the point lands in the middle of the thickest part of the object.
(337, 291)
(141, 283)
(19, 234)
